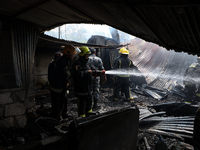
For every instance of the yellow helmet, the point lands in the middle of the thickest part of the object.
(69, 50)
(84, 51)
(124, 51)
(120, 51)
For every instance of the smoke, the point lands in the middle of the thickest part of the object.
(82, 32)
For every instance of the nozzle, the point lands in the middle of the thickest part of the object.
(103, 72)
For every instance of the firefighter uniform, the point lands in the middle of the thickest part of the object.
(192, 85)
(82, 77)
(123, 81)
(58, 74)
(96, 63)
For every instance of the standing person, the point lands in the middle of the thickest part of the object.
(58, 75)
(120, 52)
(115, 77)
(123, 81)
(190, 81)
(82, 77)
(97, 64)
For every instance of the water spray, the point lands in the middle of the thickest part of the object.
(133, 72)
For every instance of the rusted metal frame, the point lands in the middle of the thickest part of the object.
(31, 7)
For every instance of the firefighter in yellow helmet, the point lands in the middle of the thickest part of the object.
(82, 77)
(115, 77)
(192, 85)
(123, 81)
(58, 76)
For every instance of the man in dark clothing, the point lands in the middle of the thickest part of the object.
(115, 77)
(82, 77)
(58, 75)
(96, 63)
(191, 82)
(123, 81)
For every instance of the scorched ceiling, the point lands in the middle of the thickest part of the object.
(173, 24)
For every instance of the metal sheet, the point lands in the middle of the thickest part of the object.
(114, 130)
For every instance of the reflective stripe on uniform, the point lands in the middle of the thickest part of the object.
(67, 71)
(129, 63)
(82, 115)
(120, 63)
(90, 111)
(55, 90)
(193, 65)
(198, 94)
(82, 94)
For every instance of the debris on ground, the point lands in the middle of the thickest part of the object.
(162, 122)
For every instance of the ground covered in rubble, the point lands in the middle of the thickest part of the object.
(37, 130)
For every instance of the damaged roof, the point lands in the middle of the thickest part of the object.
(161, 68)
(172, 24)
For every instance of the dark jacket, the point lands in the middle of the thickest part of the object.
(124, 63)
(59, 72)
(81, 77)
(192, 73)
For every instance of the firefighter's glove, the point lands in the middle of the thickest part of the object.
(103, 72)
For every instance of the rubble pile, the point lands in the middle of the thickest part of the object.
(153, 131)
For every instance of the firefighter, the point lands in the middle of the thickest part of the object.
(58, 76)
(123, 81)
(120, 52)
(96, 63)
(82, 77)
(192, 85)
(115, 77)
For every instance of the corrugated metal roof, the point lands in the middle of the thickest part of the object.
(172, 24)
(160, 67)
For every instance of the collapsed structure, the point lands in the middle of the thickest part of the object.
(174, 25)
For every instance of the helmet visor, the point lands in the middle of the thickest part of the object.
(77, 51)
